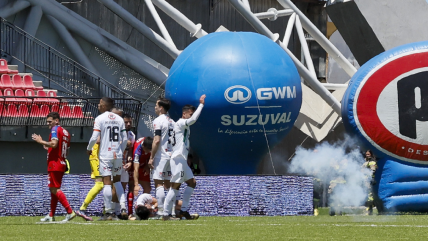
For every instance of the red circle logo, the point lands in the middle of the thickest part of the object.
(391, 107)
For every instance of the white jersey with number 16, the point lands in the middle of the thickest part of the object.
(166, 126)
(110, 126)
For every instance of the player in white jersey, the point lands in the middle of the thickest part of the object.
(181, 172)
(161, 150)
(113, 143)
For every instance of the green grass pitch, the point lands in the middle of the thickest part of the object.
(323, 227)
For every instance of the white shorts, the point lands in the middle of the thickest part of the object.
(162, 169)
(110, 167)
(124, 177)
(181, 172)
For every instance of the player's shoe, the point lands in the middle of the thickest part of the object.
(169, 218)
(69, 217)
(187, 215)
(48, 219)
(82, 213)
(156, 217)
(103, 218)
(124, 214)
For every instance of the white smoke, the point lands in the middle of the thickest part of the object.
(340, 163)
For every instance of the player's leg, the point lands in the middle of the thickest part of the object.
(191, 184)
(130, 195)
(176, 179)
(54, 187)
(106, 172)
(158, 178)
(95, 190)
(120, 193)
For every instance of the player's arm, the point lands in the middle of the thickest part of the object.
(138, 153)
(155, 147)
(197, 113)
(52, 144)
(94, 138)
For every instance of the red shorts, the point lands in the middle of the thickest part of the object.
(55, 179)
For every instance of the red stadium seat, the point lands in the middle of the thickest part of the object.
(77, 112)
(35, 111)
(28, 82)
(55, 108)
(44, 111)
(65, 112)
(30, 93)
(41, 93)
(23, 111)
(9, 92)
(17, 82)
(1, 96)
(11, 111)
(4, 69)
(20, 93)
(6, 82)
(52, 94)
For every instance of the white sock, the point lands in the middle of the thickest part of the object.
(116, 208)
(120, 193)
(186, 198)
(107, 198)
(160, 196)
(169, 201)
(177, 197)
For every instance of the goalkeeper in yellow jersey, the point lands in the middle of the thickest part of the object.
(98, 186)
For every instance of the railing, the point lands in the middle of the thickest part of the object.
(60, 71)
(74, 111)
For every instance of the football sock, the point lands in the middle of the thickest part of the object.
(54, 202)
(120, 194)
(130, 202)
(186, 198)
(160, 196)
(169, 201)
(116, 208)
(63, 200)
(92, 194)
(107, 198)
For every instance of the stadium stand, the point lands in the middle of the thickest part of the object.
(17, 82)
(4, 69)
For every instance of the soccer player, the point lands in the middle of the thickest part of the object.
(57, 146)
(98, 186)
(181, 171)
(141, 172)
(161, 150)
(127, 159)
(113, 143)
(145, 207)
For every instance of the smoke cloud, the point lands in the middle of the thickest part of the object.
(338, 165)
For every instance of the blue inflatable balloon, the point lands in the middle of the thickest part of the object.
(386, 107)
(253, 98)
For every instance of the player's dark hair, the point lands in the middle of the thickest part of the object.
(165, 103)
(54, 115)
(142, 212)
(147, 143)
(188, 107)
(126, 116)
(109, 102)
(189, 156)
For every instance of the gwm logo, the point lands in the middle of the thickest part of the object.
(237, 94)
(391, 107)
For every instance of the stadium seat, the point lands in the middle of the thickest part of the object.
(52, 94)
(4, 69)
(1, 96)
(35, 111)
(77, 112)
(41, 93)
(55, 108)
(6, 82)
(17, 82)
(28, 82)
(23, 111)
(65, 112)
(11, 111)
(44, 111)
(21, 93)
(9, 92)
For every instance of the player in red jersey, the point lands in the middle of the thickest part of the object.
(57, 146)
(139, 172)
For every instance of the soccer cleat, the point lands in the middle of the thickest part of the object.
(113, 217)
(124, 214)
(187, 215)
(69, 217)
(47, 219)
(156, 217)
(82, 213)
(169, 218)
(103, 218)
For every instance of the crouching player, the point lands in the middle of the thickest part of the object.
(181, 172)
(57, 146)
(145, 207)
(139, 172)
